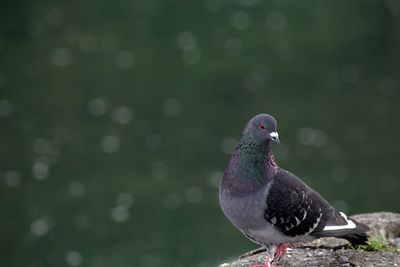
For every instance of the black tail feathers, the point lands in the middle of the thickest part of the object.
(359, 237)
(342, 227)
(356, 239)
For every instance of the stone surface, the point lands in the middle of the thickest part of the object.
(333, 251)
(386, 224)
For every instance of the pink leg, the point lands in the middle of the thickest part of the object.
(267, 264)
(280, 253)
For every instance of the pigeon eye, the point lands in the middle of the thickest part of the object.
(261, 127)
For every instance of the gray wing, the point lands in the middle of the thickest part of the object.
(293, 207)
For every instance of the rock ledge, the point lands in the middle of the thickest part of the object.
(333, 251)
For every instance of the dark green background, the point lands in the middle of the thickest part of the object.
(118, 118)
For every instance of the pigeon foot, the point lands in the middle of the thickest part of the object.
(267, 264)
(280, 253)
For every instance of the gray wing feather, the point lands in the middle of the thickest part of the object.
(293, 207)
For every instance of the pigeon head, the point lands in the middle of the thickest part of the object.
(262, 128)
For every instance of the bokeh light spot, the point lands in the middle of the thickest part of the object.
(171, 107)
(110, 144)
(125, 59)
(60, 57)
(97, 106)
(186, 40)
(40, 227)
(12, 178)
(120, 214)
(122, 115)
(40, 170)
(76, 189)
(74, 258)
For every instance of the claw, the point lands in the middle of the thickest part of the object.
(280, 253)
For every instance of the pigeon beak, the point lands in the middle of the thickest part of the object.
(275, 137)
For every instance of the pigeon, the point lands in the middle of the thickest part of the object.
(272, 206)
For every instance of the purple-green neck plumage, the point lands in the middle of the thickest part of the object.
(252, 165)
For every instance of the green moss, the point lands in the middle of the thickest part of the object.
(376, 244)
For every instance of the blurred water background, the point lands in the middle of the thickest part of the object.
(118, 118)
